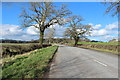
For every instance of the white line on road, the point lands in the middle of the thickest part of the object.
(100, 62)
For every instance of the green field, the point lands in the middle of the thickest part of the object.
(29, 66)
(101, 43)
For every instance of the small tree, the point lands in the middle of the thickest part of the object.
(76, 30)
(42, 15)
(50, 33)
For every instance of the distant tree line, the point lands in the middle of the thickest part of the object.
(53, 40)
(11, 41)
(16, 41)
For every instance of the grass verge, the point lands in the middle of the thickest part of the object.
(105, 50)
(33, 65)
(8, 59)
(101, 43)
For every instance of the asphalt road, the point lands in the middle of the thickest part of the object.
(72, 62)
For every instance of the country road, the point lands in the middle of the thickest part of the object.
(73, 62)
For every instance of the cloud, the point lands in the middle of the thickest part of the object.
(109, 37)
(32, 30)
(112, 26)
(59, 30)
(28, 37)
(107, 30)
(17, 33)
(105, 33)
(97, 26)
(10, 30)
(100, 32)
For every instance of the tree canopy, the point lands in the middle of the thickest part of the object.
(42, 15)
(77, 30)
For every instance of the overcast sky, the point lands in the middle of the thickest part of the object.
(105, 27)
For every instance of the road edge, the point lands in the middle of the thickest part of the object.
(52, 60)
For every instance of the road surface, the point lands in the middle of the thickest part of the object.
(72, 62)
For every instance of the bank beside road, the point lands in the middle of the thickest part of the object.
(106, 48)
(33, 65)
(100, 46)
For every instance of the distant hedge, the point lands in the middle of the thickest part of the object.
(10, 50)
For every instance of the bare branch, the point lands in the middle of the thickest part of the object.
(77, 30)
(44, 14)
(113, 7)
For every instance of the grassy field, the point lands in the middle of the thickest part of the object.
(29, 66)
(101, 43)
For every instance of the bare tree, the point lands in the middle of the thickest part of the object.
(76, 30)
(42, 15)
(50, 33)
(113, 7)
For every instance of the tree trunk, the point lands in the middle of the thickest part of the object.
(41, 38)
(76, 41)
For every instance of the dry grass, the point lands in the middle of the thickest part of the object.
(7, 59)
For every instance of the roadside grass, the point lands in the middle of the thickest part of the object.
(8, 59)
(33, 65)
(100, 43)
(105, 50)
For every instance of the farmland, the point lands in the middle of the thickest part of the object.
(33, 65)
(100, 43)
